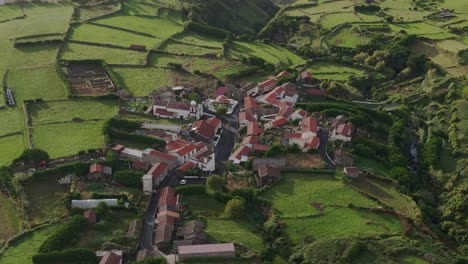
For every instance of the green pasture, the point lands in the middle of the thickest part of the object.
(387, 194)
(330, 67)
(31, 56)
(327, 7)
(423, 29)
(346, 37)
(222, 72)
(159, 28)
(140, 8)
(406, 15)
(66, 139)
(396, 4)
(341, 222)
(8, 12)
(202, 205)
(378, 167)
(142, 81)
(299, 12)
(11, 148)
(108, 189)
(11, 221)
(198, 39)
(90, 12)
(10, 121)
(239, 232)
(41, 82)
(452, 45)
(162, 59)
(206, 65)
(75, 51)
(187, 49)
(47, 198)
(270, 53)
(303, 189)
(22, 251)
(63, 111)
(334, 19)
(104, 35)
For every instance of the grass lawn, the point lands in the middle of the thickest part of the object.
(340, 222)
(378, 167)
(160, 28)
(101, 232)
(41, 82)
(345, 37)
(292, 197)
(186, 49)
(46, 198)
(388, 195)
(11, 220)
(104, 35)
(23, 249)
(66, 139)
(60, 111)
(142, 81)
(198, 39)
(9, 11)
(161, 59)
(11, 147)
(75, 51)
(203, 205)
(239, 232)
(10, 121)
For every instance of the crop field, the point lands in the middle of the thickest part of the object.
(197, 39)
(10, 121)
(388, 195)
(345, 37)
(187, 49)
(104, 35)
(340, 222)
(11, 147)
(302, 190)
(63, 111)
(85, 13)
(270, 53)
(75, 51)
(8, 12)
(142, 81)
(159, 28)
(46, 199)
(22, 251)
(239, 232)
(396, 4)
(11, 222)
(42, 82)
(61, 140)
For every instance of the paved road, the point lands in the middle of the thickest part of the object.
(323, 135)
(228, 139)
(148, 227)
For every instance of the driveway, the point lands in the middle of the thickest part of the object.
(323, 135)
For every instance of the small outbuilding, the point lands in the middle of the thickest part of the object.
(223, 250)
(91, 216)
(351, 172)
(99, 172)
(267, 175)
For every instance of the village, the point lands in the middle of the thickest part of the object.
(263, 119)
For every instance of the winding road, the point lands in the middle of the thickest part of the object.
(323, 135)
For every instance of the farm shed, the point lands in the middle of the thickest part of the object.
(224, 250)
(87, 204)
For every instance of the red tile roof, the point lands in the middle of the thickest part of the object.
(176, 144)
(179, 105)
(96, 168)
(270, 171)
(166, 220)
(250, 140)
(214, 122)
(167, 196)
(260, 147)
(241, 151)
(344, 129)
(162, 155)
(267, 83)
(111, 258)
(281, 121)
(309, 124)
(351, 170)
(185, 150)
(139, 164)
(301, 112)
(118, 147)
(221, 90)
(286, 111)
(223, 99)
(157, 169)
(186, 166)
(306, 74)
(283, 74)
(164, 112)
(254, 129)
(249, 102)
(89, 214)
(291, 135)
(206, 128)
(312, 142)
(246, 116)
(316, 92)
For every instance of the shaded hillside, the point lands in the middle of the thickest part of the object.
(238, 16)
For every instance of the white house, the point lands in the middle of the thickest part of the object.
(177, 110)
(241, 154)
(221, 100)
(184, 153)
(342, 132)
(278, 95)
(204, 159)
(306, 136)
(298, 114)
(155, 176)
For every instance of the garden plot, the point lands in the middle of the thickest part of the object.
(41, 82)
(142, 81)
(10, 224)
(66, 139)
(69, 110)
(347, 37)
(159, 28)
(10, 121)
(89, 79)
(11, 148)
(23, 249)
(180, 48)
(75, 51)
(198, 39)
(105, 35)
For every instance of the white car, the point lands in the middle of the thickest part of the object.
(183, 182)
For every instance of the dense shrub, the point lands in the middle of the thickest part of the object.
(129, 178)
(206, 29)
(65, 235)
(366, 8)
(69, 256)
(191, 189)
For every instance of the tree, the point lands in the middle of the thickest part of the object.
(324, 85)
(380, 66)
(221, 110)
(215, 183)
(102, 210)
(34, 155)
(235, 208)
(193, 96)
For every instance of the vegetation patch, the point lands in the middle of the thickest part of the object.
(142, 81)
(11, 221)
(347, 37)
(10, 121)
(239, 232)
(273, 54)
(198, 39)
(179, 48)
(11, 148)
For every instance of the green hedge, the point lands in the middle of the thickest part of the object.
(129, 178)
(70, 256)
(191, 189)
(65, 235)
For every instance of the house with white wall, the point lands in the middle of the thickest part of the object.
(177, 110)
